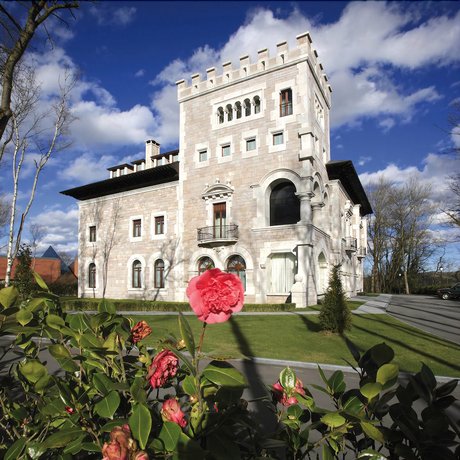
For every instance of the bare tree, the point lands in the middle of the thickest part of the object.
(66, 257)
(29, 134)
(399, 237)
(17, 34)
(37, 232)
(453, 208)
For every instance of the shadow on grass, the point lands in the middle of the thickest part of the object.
(257, 389)
(402, 344)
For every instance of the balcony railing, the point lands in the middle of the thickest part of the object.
(222, 234)
(362, 252)
(350, 244)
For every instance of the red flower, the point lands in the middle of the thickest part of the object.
(163, 368)
(140, 331)
(69, 410)
(172, 412)
(215, 295)
(120, 444)
(286, 399)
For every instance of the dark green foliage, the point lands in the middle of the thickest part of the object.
(89, 304)
(23, 277)
(335, 315)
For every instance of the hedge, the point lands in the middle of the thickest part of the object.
(154, 305)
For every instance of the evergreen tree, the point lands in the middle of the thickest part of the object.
(24, 279)
(335, 315)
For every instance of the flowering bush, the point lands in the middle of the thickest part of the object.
(113, 398)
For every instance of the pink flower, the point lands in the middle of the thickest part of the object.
(119, 445)
(140, 331)
(172, 412)
(141, 455)
(215, 295)
(163, 368)
(286, 399)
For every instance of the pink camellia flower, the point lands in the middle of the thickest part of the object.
(284, 398)
(164, 367)
(215, 295)
(172, 412)
(140, 331)
(120, 444)
(141, 455)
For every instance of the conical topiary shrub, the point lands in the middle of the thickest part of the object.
(335, 315)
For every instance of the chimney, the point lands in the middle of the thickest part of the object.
(152, 148)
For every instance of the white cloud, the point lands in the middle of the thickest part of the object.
(140, 73)
(106, 14)
(358, 52)
(363, 160)
(60, 226)
(434, 172)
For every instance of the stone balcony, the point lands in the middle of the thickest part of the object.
(217, 235)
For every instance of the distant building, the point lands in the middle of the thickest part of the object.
(251, 190)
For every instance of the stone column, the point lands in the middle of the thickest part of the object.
(305, 207)
(300, 295)
(316, 215)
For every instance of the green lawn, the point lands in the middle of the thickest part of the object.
(297, 337)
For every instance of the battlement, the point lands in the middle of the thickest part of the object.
(264, 64)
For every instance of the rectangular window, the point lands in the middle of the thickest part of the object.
(220, 218)
(92, 234)
(286, 102)
(159, 225)
(250, 144)
(226, 150)
(202, 155)
(278, 138)
(137, 228)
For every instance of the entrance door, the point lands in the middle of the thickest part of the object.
(219, 220)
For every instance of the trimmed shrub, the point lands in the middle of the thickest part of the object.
(335, 315)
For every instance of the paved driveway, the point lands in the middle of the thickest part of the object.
(436, 316)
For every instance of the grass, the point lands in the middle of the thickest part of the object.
(352, 305)
(298, 338)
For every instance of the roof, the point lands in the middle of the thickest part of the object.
(124, 165)
(50, 253)
(344, 171)
(147, 177)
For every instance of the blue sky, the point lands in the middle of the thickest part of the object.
(393, 67)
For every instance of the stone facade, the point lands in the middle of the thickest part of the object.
(255, 192)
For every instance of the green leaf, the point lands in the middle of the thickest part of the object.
(36, 304)
(105, 306)
(24, 317)
(336, 383)
(288, 378)
(224, 374)
(323, 377)
(54, 408)
(382, 354)
(373, 432)
(32, 370)
(333, 420)
(15, 450)
(59, 351)
(169, 434)
(111, 342)
(370, 390)
(74, 447)
(55, 322)
(8, 296)
(189, 386)
(138, 390)
(39, 281)
(446, 389)
(428, 377)
(187, 334)
(107, 406)
(62, 437)
(387, 373)
(140, 423)
(90, 447)
(328, 454)
(353, 405)
(89, 340)
(294, 411)
(370, 454)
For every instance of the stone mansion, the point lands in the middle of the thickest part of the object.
(251, 190)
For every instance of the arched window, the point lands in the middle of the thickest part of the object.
(92, 275)
(256, 104)
(229, 110)
(286, 102)
(159, 274)
(238, 110)
(237, 266)
(220, 115)
(205, 263)
(284, 204)
(247, 107)
(137, 274)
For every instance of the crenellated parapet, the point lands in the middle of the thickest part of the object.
(265, 63)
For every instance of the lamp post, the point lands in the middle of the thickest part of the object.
(400, 280)
(441, 269)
